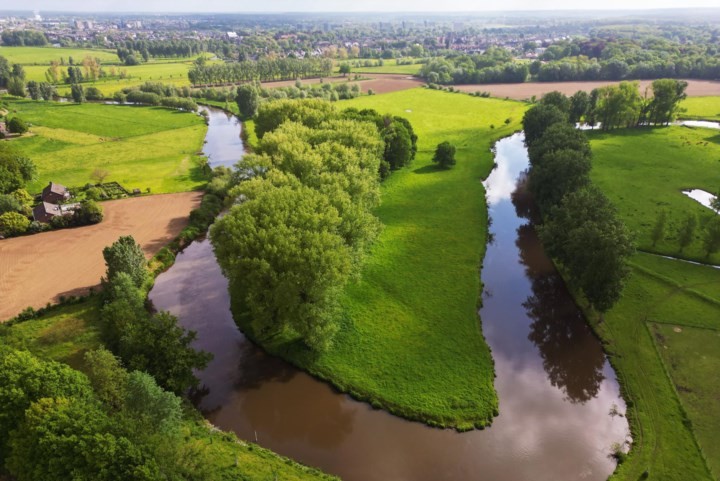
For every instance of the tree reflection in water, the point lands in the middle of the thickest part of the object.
(572, 357)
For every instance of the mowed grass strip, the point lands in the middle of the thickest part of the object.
(701, 108)
(644, 171)
(412, 342)
(692, 358)
(140, 147)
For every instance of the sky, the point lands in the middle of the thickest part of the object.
(240, 6)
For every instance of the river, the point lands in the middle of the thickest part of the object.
(559, 398)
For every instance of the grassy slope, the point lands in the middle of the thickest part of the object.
(67, 332)
(645, 170)
(140, 146)
(413, 343)
(44, 55)
(703, 108)
(642, 170)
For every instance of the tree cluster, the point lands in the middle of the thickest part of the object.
(262, 70)
(155, 343)
(303, 221)
(108, 425)
(23, 38)
(580, 227)
(493, 66)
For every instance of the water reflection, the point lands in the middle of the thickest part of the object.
(572, 357)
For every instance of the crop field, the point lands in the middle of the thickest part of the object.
(45, 55)
(644, 171)
(663, 300)
(76, 254)
(412, 342)
(140, 147)
(701, 108)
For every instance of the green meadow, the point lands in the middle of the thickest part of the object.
(140, 147)
(702, 108)
(66, 333)
(673, 435)
(645, 170)
(662, 336)
(389, 66)
(411, 341)
(45, 55)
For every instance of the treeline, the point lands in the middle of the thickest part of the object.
(157, 94)
(304, 220)
(623, 106)
(263, 70)
(651, 57)
(493, 66)
(26, 38)
(580, 228)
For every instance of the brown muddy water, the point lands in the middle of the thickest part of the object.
(558, 395)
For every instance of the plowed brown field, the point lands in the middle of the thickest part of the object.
(38, 269)
(696, 88)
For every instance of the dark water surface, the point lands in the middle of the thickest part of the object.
(223, 145)
(556, 388)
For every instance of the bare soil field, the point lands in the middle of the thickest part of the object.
(38, 269)
(696, 88)
(379, 83)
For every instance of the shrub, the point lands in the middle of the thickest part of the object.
(16, 125)
(93, 93)
(12, 223)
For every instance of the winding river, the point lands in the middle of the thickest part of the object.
(559, 400)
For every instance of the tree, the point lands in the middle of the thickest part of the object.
(557, 99)
(667, 95)
(579, 106)
(126, 307)
(108, 378)
(160, 347)
(77, 92)
(99, 175)
(658, 232)
(559, 136)
(149, 409)
(247, 100)
(24, 379)
(15, 170)
(88, 213)
(715, 202)
(33, 89)
(538, 119)
(16, 125)
(126, 255)
(9, 203)
(345, 69)
(711, 238)
(70, 438)
(560, 173)
(398, 145)
(584, 234)
(686, 233)
(13, 223)
(16, 86)
(445, 155)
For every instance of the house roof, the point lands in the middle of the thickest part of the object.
(46, 208)
(56, 188)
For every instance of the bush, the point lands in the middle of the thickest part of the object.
(12, 223)
(93, 93)
(89, 212)
(16, 125)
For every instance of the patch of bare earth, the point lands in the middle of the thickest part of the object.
(38, 269)
(379, 83)
(696, 88)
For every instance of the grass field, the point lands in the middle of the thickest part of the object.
(45, 55)
(663, 291)
(412, 341)
(701, 108)
(141, 147)
(644, 171)
(389, 66)
(67, 332)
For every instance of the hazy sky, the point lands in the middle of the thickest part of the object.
(349, 6)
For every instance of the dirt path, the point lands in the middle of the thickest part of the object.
(38, 269)
(696, 88)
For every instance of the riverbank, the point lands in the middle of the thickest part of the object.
(661, 336)
(411, 342)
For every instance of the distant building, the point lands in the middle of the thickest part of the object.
(55, 193)
(44, 211)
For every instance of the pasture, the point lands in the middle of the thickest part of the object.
(45, 55)
(644, 171)
(412, 341)
(701, 108)
(140, 147)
